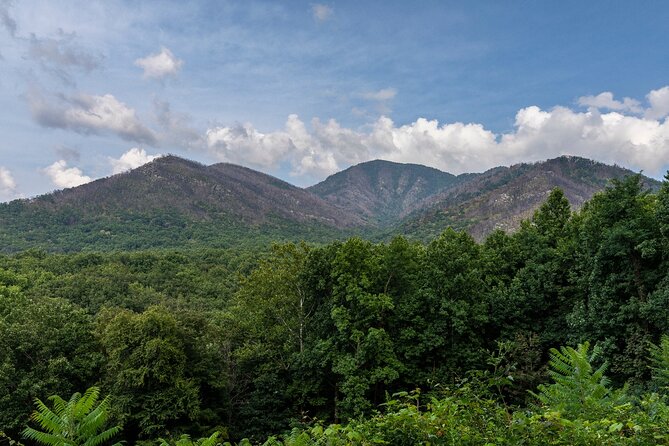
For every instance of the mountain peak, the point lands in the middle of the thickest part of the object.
(175, 202)
(382, 191)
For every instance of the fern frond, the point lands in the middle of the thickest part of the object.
(46, 418)
(87, 401)
(44, 438)
(102, 437)
(76, 422)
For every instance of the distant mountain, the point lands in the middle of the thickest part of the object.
(502, 197)
(382, 192)
(171, 202)
(185, 187)
(176, 203)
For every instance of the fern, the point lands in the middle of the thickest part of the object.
(578, 389)
(659, 356)
(185, 440)
(77, 422)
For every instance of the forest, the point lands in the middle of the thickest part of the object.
(553, 334)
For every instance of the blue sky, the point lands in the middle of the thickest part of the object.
(303, 89)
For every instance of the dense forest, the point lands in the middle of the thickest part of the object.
(553, 334)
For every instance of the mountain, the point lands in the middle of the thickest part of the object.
(381, 192)
(175, 203)
(171, 202)
(502, 197)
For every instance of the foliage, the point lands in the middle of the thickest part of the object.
(185, 440)
(254, 343)
(660, 363)
(579, 390)
(80, 421)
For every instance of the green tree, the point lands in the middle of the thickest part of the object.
(149, 370)
(363, 356)
(540, 294)
(617, 268)
(80, 421)
(456, 302)
(46, 346)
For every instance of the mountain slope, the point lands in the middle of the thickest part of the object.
(203, 192)
(170, 202)
(502, 197)
(381, 192)
(176, 203)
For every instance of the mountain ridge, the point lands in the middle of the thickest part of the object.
(172, 202)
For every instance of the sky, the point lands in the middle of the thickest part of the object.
(301, 90)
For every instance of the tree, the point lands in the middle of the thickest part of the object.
(364, 356)
(540, 294)
(149, 369)
(617, 267)
(456, 303)
(80, 421)
(46, 347)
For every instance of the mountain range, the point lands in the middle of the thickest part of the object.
(172, 202)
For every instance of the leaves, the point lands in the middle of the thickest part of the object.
(77, 422)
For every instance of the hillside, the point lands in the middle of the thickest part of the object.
(502, 197)
(381, 192)
(171, 202)
(176, 203)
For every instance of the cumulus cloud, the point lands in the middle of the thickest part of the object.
(7, 183)
(326, 147)
(659, 103)
(160, 65)
(131, 159)
(63, 176)
(88, 114)
(321, 12)
(6, 19)
(245, 145)
(605, 100)
(60, 54)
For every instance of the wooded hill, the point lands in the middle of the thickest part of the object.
(176, 203)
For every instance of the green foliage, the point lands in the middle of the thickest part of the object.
(255, 343)
(149, 369)
(579, 389)
(46, 346)
(185, 440)
(79, 421)
(660, 363)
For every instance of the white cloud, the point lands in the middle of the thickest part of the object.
(160, 65)
(90, 114)
(659, 103)
(382, 95)
(326, 147)
(321, 12)
(606, 100)
(131, 159)
(7, 183)
(244, 145)
(63, 176)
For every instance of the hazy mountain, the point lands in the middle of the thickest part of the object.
(381, 192)
(175, 203)
(170, 202)
(502, 197)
